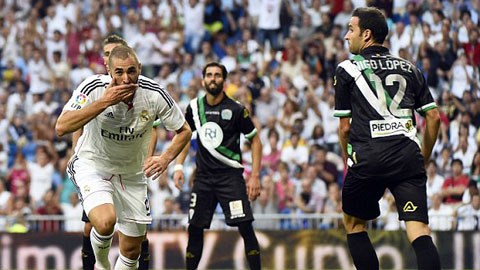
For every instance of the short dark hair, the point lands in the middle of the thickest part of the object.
(373, 19)
(114, 39)
(122, 52)
(457, 160)
(215, 64)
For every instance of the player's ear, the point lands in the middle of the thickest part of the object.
(139, 68)
(367, 34)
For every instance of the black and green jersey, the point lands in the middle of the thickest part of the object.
(218, 134)
(380, 93)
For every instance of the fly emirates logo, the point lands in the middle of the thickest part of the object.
(125, 134)
(391, 127)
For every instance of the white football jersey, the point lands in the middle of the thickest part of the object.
(116, 141)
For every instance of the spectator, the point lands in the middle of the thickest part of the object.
(284, 189)
(72, 211)
(434, 181)
(269, 22)
(41, 172)
(80, 72)
(333, 205)
(193, 12)
(461, 76)
(18, 175)
(5, 203)
(441, 216)
(454, 186)
(326, 170)
(50, 206)
(468, 216)
(295, 151)
(265, 204)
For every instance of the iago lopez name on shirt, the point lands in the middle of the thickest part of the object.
(384, 64)
(125, 134)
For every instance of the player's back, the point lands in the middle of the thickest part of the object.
(381, 92)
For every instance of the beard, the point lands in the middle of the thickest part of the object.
(214, 89)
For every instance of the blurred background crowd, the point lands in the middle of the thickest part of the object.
(281, 57)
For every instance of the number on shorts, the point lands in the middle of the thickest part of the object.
(193, 200)
(147, 206)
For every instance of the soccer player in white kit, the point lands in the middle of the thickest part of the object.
(116, 113)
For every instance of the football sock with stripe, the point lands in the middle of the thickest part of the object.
(101, 246)
(124, 263)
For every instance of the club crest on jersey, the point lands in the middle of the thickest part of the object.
(211, 134)
(226, 114)
(144, 117)
(245, 113)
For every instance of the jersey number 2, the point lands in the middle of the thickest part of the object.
(385, 99)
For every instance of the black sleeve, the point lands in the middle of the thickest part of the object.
(423, 98)
(244, 122)
(189, 118)
(342, 83)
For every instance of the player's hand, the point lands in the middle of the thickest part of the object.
(117, 93)
(179, 179)
(253, 188)
(154, 166)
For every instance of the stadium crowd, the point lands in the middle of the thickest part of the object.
(281, 56)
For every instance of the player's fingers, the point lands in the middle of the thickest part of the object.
(178, 183)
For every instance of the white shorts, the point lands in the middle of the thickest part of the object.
(127, 193)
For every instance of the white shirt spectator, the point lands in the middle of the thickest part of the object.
(441, 219)
(41, 179)
(269, 14)
(73, 212)
(39, 76)
(79, 74)
(193, 17)
(461, 71)
(434, 186)
(144, 44)
(67, 10)
(468, 216)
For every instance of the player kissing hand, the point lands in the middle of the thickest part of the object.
(117, 93)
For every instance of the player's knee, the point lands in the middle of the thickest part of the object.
(130, 251)
(105, 225)
(353, 224)
(245, 229)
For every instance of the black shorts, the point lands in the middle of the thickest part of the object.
(401, 170)
(228, 190)
(85, 217)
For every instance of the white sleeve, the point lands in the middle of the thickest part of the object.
(82, 96)
(172, 118)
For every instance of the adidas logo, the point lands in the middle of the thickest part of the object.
(110, 115)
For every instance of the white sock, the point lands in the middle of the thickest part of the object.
(101, 246)
(124, 263)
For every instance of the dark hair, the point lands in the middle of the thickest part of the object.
(114, 39)
(122, 52)
(372, 18)
(215, 64)
(456, 160)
